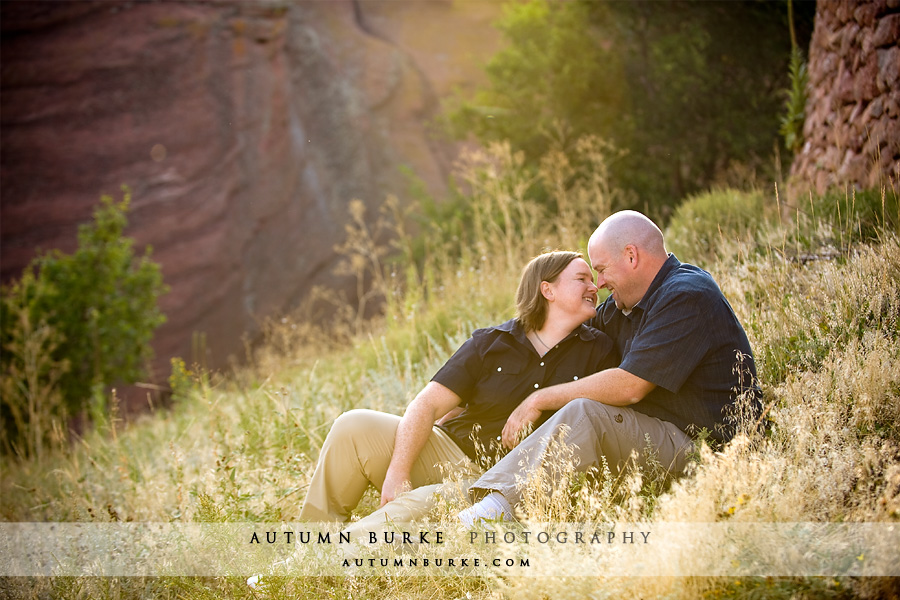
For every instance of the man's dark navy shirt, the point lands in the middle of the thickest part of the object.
(497, 368)
(684, 337)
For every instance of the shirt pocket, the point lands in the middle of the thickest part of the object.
(502, 368)
(502, 376)
(501, 358)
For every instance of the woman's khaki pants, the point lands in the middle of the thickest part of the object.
(356, 454)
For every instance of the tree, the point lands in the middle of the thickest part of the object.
(92, 314)
(685, 88)
(550, 84)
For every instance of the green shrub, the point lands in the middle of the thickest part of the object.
(858, 215)
(703, 223)
(832, 225)
(74, 324)
(31, 406)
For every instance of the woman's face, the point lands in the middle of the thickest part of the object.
(574, 291)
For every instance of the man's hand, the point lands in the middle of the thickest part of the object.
(394, 485)
(615, 387)
(518, 422)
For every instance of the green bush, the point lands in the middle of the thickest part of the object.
(833, 224)
(74, 324)
(31, 406)
(860, 216)
(703, 223)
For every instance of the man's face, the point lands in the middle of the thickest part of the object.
(612, 273)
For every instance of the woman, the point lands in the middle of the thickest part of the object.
(491, 373)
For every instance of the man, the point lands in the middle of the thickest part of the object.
(685, 362)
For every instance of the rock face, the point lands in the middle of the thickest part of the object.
(852, 127)
(242, 128)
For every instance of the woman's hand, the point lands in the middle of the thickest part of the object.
(394, 485)
(412, 435)
(519, 422)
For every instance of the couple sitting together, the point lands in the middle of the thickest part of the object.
(662, 358)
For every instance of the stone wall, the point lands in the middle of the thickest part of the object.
(852, 128)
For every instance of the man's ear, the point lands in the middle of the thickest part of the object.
(632, 255)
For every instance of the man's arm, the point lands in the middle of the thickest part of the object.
(615, 387)
(432, 403)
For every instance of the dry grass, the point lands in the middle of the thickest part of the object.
(242, 448)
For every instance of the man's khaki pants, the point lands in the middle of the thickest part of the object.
(596, 432)
(356, 454)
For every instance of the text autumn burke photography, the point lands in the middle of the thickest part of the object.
(423, 538)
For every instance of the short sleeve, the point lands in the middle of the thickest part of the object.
(672, 342)
(461, 372)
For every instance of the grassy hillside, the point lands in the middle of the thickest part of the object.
(817, 287)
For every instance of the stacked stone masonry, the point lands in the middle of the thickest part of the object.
(852, 127)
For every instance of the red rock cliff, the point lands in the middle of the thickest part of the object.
(242, 128)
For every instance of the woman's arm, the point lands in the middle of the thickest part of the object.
(454, 412)
(432, 403)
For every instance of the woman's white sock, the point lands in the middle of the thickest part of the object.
(492, 507)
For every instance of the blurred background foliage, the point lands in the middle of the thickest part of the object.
(691, 93)
(73, 325)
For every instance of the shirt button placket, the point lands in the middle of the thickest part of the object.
(537, 385)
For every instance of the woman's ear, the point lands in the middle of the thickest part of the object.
(547, 291)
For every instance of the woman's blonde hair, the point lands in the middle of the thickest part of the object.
(531, 306)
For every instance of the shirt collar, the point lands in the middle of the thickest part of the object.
(586, 333)
(667, 267)
(514, 328)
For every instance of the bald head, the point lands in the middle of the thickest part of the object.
(629, 227)
(627, 251)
